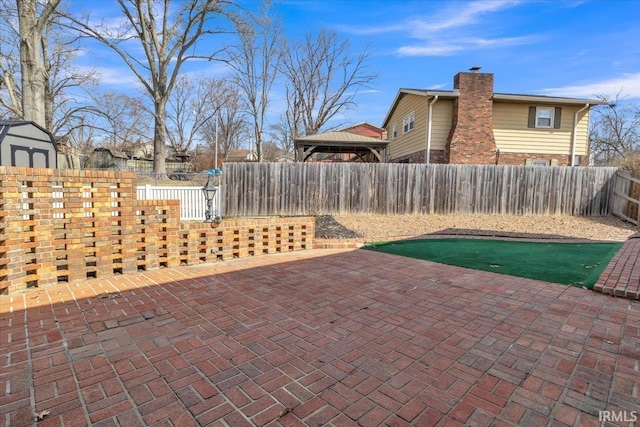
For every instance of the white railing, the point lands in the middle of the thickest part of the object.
(192, 202)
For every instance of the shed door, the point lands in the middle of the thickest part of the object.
(29, 157)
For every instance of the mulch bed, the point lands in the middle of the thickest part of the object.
(328, 228)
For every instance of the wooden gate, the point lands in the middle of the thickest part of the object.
(626, 197)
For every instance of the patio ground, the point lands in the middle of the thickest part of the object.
(319, 337)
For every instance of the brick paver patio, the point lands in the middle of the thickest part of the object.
(320, 337)
(622, 276)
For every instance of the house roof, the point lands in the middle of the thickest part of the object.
(547, 99)
(115, 154)
(506, 97)
(361, 124)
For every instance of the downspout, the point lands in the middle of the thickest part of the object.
(427, 152)
(575, 131)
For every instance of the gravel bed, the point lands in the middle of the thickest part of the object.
(376, 227)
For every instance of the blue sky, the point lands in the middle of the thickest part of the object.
(558, 48)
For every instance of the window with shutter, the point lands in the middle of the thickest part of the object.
(545, 117)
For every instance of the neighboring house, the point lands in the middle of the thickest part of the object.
(69, 157)
(26, 144)
(141, 150)
(241, 156)
(105, 158)
(473, 125)
(366, 129)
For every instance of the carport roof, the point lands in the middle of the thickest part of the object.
(329, 138)
(340, 142)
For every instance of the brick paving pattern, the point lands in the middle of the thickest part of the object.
(622, 276)
(331, 337)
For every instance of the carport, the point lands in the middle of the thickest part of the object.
(354, 147)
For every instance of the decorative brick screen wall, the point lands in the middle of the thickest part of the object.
(63, 225)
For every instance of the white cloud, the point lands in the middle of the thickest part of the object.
(113, 76)
(628, 84)
(452, 29)
(456, 15)
(502, 41)
(371, 29)
(429, 50)
(456, 45)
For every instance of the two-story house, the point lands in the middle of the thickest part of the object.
(473, 125)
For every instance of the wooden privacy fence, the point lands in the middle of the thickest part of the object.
(626, 197)
(254, 189)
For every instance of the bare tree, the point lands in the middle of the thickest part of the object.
(32, 21)
(168, 34)
(255, 61)
(123, 123)
(63, 111)
(58, 49)
(230, 129)
(615, 129)
(10, 89)
(282, 134)
(190, 107)
(323, 77)
(82, 138)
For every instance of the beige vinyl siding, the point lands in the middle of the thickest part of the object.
(513, 136)
(416, 140)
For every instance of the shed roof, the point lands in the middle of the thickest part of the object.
(7, 124)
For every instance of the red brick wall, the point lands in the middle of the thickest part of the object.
(521, 158)
(471, 137)
(66, 225)
(438, 156)
(435, 156)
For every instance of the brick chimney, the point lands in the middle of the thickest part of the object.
(471, 137)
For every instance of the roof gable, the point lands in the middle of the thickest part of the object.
(427, 93)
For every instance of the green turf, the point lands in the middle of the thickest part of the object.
(576, 264)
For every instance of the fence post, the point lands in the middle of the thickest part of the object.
(219, 200)
(147, 191)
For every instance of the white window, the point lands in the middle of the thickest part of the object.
(408, 123)
(544, 117)
(394, 131)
